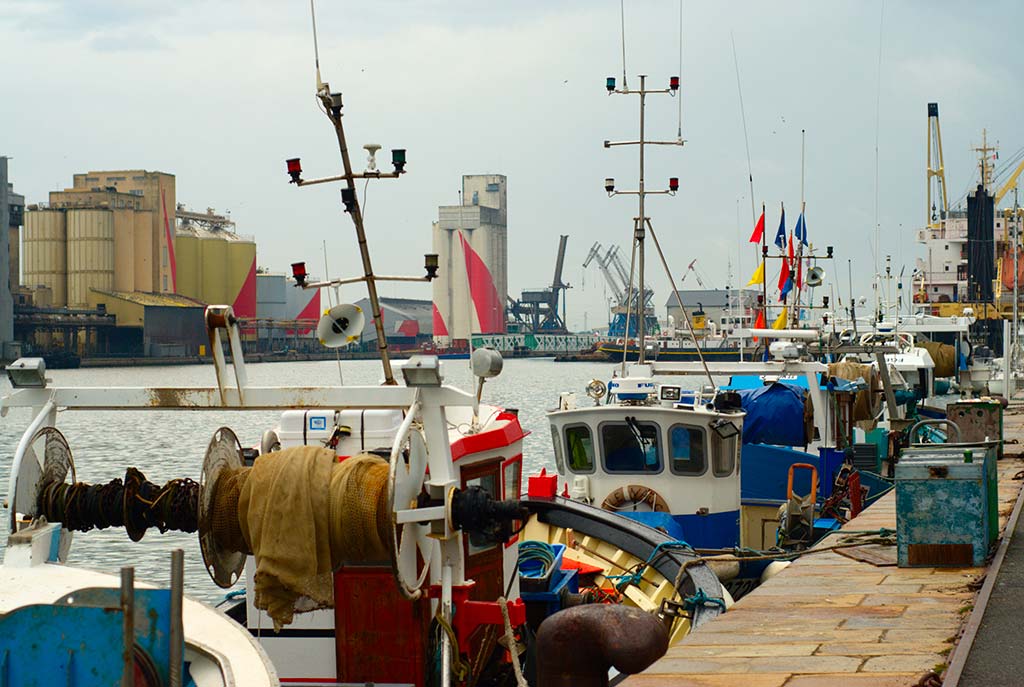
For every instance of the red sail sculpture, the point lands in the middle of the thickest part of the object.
(490, 312)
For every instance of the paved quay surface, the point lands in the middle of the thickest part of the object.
(829, 620)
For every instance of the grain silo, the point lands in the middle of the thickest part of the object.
(45, 253)
(90, 262)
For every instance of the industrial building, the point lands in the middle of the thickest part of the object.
(286, 316)
(472, 245)
(213, 263)
(408, 323)
(11, 210)
(723, 309)
(109, 231)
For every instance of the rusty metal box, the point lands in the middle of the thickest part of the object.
(943, 512)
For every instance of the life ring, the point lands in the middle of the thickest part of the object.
(635, 493)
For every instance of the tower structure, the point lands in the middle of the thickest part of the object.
(471, 240)
(6, 301)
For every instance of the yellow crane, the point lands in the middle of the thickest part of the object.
(936, 170)
(1010, 184)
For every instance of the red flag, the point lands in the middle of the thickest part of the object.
(759, 322)
(758, 230)
(799, 274)
(784, 274)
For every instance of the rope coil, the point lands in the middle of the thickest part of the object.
(134, 503)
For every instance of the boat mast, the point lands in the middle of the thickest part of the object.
(640, 222)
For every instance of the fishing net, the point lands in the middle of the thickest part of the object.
(868, 402)
(942, 354)
(302, 515)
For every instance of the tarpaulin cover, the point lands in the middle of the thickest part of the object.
(775, 415)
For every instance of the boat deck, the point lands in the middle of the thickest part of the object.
(830, 620)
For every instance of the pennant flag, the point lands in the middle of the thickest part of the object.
(786, 288)
(758, 277)
(758, 230)
(799, 274)
(780, 235)
(780, 321)
(801, 229)
(784, 273)
(759, 322)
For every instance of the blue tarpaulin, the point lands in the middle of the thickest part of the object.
(775, 415)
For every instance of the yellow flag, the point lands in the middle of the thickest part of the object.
(758, 277)
(780, 321)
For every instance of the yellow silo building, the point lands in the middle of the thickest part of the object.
(215, 264)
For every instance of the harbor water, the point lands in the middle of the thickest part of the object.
(171, 444)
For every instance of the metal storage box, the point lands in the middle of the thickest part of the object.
(978, 421)
(946, 513)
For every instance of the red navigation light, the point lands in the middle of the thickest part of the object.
(299, 273)
(673, 184)
(295, 169)
(673, 83)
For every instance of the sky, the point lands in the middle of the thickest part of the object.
(220, 94)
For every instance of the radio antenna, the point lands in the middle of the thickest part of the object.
(320, 86)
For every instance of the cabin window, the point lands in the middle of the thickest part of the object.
(556, 444)
(580, 448)
(631, 446)
(724, 454)
(489, 481)
(686, 450)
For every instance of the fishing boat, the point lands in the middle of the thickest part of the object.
(381, 530)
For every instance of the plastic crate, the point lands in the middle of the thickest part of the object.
(531, 576)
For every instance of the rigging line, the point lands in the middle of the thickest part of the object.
(747, 141)
(622, 23)
(878, 107)
(679, 300)
(629, 306)
(679, 132)
(330, 304)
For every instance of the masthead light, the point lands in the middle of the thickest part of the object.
(299, 273)
(609, 185)
(294, 169)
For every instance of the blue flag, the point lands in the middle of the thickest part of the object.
(801, 229)
(786, 288)
(780, 235)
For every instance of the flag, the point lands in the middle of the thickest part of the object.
(784, 274)
(780, 321)
(801, 229)
(758, 277)
(780, 235)
(799, 274)
(758, 230)
(785, 289)
(759, 322)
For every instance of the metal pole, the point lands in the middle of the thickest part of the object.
(1016, 298)
(638, 235)
(177, 633)
(128, 626)
(364, 251)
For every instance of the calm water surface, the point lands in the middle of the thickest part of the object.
(170, 444)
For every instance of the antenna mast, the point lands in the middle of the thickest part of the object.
(332, 104)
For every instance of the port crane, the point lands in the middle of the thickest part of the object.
(615, 274)
(537, 310)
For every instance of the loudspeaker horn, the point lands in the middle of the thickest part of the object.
(341, 325)
(815, 276)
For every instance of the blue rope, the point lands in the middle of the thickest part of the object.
(637, 575)
(701, 599)
(229, 596)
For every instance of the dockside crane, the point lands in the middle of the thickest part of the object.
(537, 309)
(936, 171)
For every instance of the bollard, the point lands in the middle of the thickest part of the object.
(577, 646)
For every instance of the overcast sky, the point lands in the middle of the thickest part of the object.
(220, 94)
